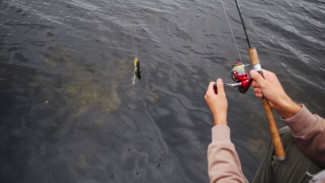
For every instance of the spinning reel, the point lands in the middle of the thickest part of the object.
(240, 76)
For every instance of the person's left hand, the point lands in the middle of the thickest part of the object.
(217, 103)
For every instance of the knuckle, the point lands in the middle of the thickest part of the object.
(272, 75)
(262, 85)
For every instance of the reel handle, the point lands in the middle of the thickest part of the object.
(215, 88)
(230, 85)
(279, 150)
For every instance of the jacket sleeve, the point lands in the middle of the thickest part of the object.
(223, 162)
(308, 131)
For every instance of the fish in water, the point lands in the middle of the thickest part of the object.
(137, 72)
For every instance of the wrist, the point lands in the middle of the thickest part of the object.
(290, 109)
(219, 121)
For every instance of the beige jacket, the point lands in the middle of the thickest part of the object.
(224, 165)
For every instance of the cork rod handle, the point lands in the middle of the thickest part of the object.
(279, 151)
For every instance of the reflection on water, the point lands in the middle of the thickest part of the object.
(69, 112)
(83, 89)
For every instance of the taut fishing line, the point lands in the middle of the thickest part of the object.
(135, 34)
(232, 33)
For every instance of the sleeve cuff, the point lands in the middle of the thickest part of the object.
(301, 122)
(220, 133)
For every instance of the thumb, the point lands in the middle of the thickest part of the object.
(220, 86)
(257, 77)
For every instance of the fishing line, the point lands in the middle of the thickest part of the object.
(135, 36)
(135, 33)
(232, 33)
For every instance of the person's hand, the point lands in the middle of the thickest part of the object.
(271, 88)
(217, 103)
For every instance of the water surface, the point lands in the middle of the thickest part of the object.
(69, 112)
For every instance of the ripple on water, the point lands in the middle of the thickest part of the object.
(68, 109)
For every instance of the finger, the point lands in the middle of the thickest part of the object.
(210, 89)
(255, 84)
(268, 75)
(220, 86)
(259, 95)
(257, 77)
(257, 90)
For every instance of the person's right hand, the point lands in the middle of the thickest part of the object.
(271, 88)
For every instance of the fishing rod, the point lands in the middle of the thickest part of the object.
(243, 24)
(279, 150)
(243, 82)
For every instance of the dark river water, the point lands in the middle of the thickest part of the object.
(70, 114)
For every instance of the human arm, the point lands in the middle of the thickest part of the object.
(223, 161)
(307, 129)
